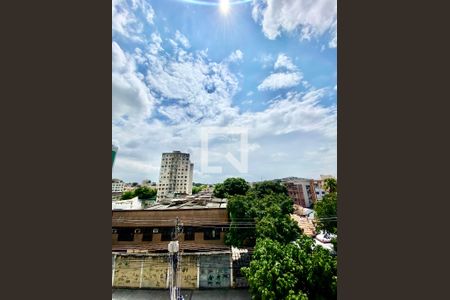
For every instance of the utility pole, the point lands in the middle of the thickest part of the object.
(174, 258)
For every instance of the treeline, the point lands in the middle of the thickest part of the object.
(142, 192)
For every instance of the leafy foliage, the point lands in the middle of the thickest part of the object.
(142, 192)
(196, 189)
(264, 188)
(292, 271)
(330, 185)
(266, 205)
(326, 213)
(127, 195)
(231, 187)
(281, 268)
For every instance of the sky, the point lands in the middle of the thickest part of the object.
(265, 66)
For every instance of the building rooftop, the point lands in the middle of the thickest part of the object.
(306, 225)
(189, 203)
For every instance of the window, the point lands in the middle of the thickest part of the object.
(211, 234)
(147, 234)
(125, 234)
(166, 234)
(189, 234)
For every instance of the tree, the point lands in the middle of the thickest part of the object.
(330, 185)
(264, 212)
(144, 192)
(231, 187)
(242, 230)
(127, 195)
(196, 189)
(326, 213)
(297, 270)
(264, 188)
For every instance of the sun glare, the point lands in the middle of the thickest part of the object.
(224, 6)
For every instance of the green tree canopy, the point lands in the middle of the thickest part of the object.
(326, 209)
(231, 187)
(264, 212)
(196, 189)
(326, 213)
(127, 195)
(143, 192)
(297, 270)
(330, 185)
(264, 188)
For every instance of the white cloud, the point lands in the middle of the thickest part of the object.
(283, 61)
(125, 22)
(182, 39)
(145, 8)
(310, 19)
(295, 112)
(236, 56)
(155, 45)
(130, 95)
(280, 81)
(203, 89)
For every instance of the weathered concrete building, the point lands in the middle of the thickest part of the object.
(175, 176)
(202, 228)
(140, 240)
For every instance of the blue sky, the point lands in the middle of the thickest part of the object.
(268, 66)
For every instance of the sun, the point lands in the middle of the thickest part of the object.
(224, 6)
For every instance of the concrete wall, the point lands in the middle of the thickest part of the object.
(189, 271)
(154, 272)
(215, 271)
(197, 270)
(127, 272)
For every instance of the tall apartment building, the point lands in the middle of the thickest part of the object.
(175, 177)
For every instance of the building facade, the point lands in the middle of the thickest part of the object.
(118, 186)
(304, 192)
(151, 230)
(175, 177)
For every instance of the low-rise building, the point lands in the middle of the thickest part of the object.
(202, 223)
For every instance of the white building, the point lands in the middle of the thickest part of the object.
(134, 203)
(175, 177)
(118, 186)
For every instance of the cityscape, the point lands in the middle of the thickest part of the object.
(224, 173)
(177, 234)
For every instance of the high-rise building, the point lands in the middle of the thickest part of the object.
(114, 153)
(175, 177)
